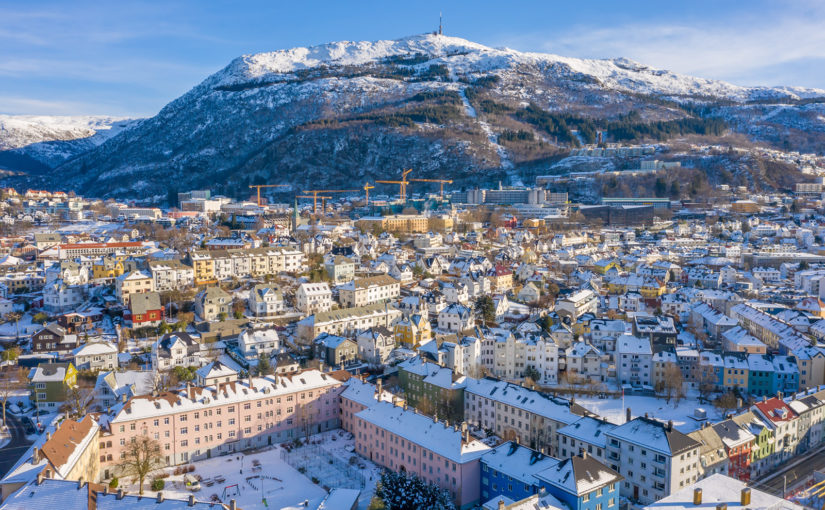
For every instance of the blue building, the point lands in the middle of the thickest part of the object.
(760, 375)
(785, 375)
(582, 483)
(514, 473)
(509, 470)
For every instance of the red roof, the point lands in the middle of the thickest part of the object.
(776, 410)
(79, 246)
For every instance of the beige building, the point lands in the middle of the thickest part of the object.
(366, 291)
(348, 321)
(406, 223)
(133, 282)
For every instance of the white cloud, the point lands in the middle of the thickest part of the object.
(732, 49)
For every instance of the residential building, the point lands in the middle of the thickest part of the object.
(212, 303)
(95, 356)
(655, 459)
(404, 441)
(133, 282)
(347, 321)
(313, 298)
(366, 291)
(48, 383)
(266, 300)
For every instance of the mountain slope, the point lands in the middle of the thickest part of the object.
(340, 113)
(53, 139)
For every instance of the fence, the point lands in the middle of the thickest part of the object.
(318, 464)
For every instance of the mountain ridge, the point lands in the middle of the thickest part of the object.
(332, 113)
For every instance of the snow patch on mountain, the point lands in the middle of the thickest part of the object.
(466, 57)
(18, 131)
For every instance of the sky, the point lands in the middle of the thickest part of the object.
(128, 58)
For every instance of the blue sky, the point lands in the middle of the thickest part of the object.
(131, 58)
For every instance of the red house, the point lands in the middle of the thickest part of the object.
(144, 310)
(738, 443)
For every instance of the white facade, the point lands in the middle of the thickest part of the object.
(313, 298)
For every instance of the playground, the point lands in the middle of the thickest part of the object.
(257, 480)
(330, 459)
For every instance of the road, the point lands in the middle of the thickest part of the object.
(10, 454)
(797, 470)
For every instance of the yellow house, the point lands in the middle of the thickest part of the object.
(617, 286)
(652, 288)
(107, 268)
(603, 266)
(413, 332)
(203, 268)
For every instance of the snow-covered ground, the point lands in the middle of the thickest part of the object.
(280, 484)
(283, 486)
(613, 409)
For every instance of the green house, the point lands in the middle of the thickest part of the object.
(48, 384)
(432, 389)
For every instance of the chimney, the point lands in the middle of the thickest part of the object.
(697, 496)
(465, 432)
(627, 417)
(80, 483)
(435, 418)
(779, 395)
(501, 505)
(160, 497)
(722, 506)
(123, 398)
(35, 456)
(105, 489)
(232, 505)
(745, 497)
(764, 399)
(669, 425)
(120, 494)
(646, 415)
(191, 500)
(48, 436)
(379, 387)
(583, 453)
(518, 441)
(39, 478)
(320, 366)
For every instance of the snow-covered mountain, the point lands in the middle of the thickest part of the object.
(53, 139)
(346, 112)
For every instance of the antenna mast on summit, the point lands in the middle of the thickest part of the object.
(440, 27)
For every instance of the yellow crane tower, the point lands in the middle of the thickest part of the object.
(442, 182)
(315, 192)
(259, 186)
(367, 188)
(402, 184)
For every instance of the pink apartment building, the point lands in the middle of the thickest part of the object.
(405, 441)
(359, 395)
(201, 422)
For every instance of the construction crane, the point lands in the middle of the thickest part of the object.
(259, 186)
(314, 197)
(402, 184)
(440, 181)
(315, 192)
(367, 188)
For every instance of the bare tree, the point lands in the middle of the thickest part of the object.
(673, 381)
(12, 381)
(77, 401)
(142, 457)
(726, 402)
(707, 383)
(164, 381)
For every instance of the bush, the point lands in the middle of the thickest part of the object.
(191, 468)
(158, 484)
(113, 483)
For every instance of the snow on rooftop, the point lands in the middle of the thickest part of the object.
(423, 431)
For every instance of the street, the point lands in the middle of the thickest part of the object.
(796, 471)
(10, 454)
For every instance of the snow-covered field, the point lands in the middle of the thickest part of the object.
(613, 410)
(283, 486)
(280, 484)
